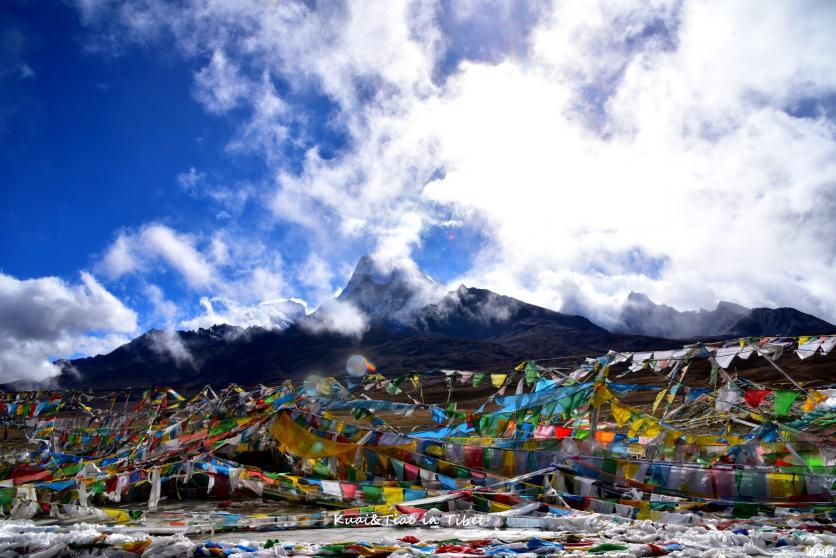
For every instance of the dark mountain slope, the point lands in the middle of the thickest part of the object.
(781, 321)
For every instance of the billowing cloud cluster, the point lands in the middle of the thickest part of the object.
(41, 319)
(683, 149)
(277, 313)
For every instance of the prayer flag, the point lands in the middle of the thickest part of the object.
(784, 400)
(532, 373)
(497, 380)
(754, 396)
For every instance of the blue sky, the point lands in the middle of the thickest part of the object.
(94, 142)
(174, 165)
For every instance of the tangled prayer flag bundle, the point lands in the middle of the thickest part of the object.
(680, 438)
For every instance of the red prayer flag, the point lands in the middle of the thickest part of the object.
(562, 432)
(410, 472)
(754, 396)
(348, 490)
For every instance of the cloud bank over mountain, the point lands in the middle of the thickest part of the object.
(665, 147)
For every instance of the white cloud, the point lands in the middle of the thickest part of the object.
(47, 318)
(179, 252)
(229, 200)
(318, 277)
(165, 309)
(235, 272)
(167, 342)
(136, 251)
(219, 86)
(339, 317)
(268, 314)
(191, 179)
(25, 71)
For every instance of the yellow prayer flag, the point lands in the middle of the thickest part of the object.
(813, 399)
(784, 485)
(652, 429)
(303, 443)
(393, 494)
(116, 515)
(630, 468)
(601, 395)
(635, 426)
(509, 465)
(495, 507)
(498, 380)
(659, 399)
(621, 413)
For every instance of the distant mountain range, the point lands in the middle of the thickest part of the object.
(642, 316)
(401, 320)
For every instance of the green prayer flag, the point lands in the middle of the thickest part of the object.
(519, 418)
(745, 511)
(493, 427)
(783, 401)
(373, 494)
(322, 469)
(398, 467)
(606, 547)
(532, 372)
(393, 387)
(548, 409)
(478, 377)
(535, 415)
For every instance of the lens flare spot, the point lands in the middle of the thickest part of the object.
(357, 365)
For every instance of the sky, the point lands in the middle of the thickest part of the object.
(175, 165)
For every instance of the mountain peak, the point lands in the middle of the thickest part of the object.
(640, 315)
(726, 306)
(637, 297)
(389, 289)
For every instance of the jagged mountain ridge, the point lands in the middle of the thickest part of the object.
(410, 326)
(641, 316)
(466, 328)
